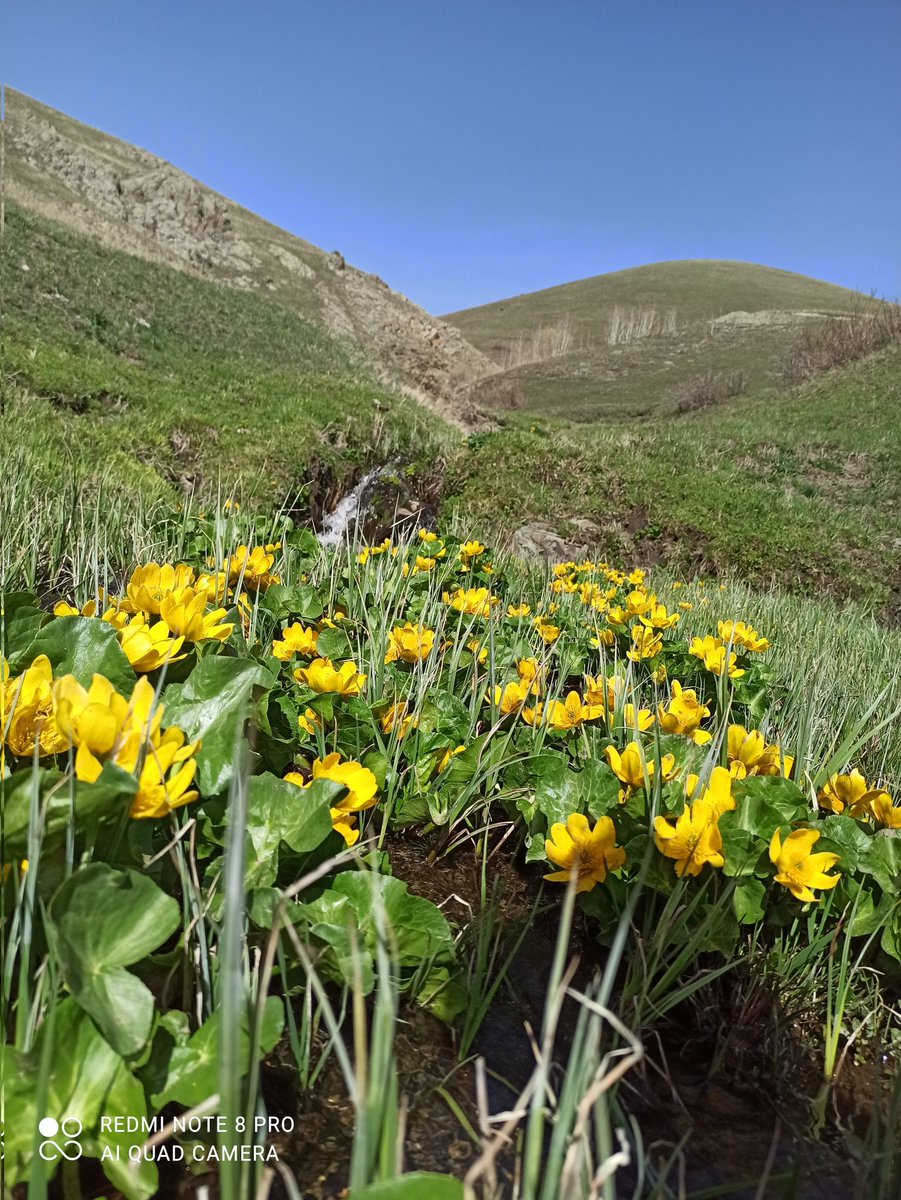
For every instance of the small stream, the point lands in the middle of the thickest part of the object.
(339, 523)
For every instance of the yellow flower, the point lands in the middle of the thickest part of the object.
(637, 718)
(471, 550)
(600, 691)
(148, 647)
(361, 787)
(480, 652)
(645, 643)
(308, 722)
(712, 652)
(185, 614)
(603, 637)
(166, 775)
(426, 535)
(798, 869)
(295, 639)
(448, 757)
(118, 618)
(717, 792)
(740, 634)
(252, 569)
(62, 609)
(511, 698)
(382, 548)
(398, 718)
(885, 810)
(638, 602)
(150, 583)
(851, 792)
(214, 585)
(656, 617)
(684, 714)
(564, 585)
(106, 727)
(605, 693)
(694, 840)
(27, 718)
(321, 676)
(475, 602)
(409, 643)
(584, 852)
(98, 721)
(548, 632)
(146, 712)
(862, 799)
(630, 767)
(519, 610)
(591, 594)
(570, 713)
(7, 869)
(749, 753)
(531, 673)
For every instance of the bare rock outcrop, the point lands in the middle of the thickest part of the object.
(541, 541)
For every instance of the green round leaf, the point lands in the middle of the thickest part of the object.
(104, 921)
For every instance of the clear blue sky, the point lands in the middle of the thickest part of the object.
(469, 150)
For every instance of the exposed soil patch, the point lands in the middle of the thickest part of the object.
(833, 477)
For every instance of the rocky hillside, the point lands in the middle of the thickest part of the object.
(131, 200)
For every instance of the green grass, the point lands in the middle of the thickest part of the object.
(137, 382)
(122, 378)
(779, 486)
(830, 681)
(117, 369)
(698, 289)
(594, 379)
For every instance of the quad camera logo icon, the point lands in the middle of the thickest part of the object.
(60, 1139)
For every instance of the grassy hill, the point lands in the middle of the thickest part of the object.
(147, 382)
(130, 380)
(125, 198)
(620, 344)
(128, 374)
(778, 486)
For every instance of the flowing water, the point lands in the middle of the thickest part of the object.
(341, 519)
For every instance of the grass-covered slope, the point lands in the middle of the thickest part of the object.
(803, 486)
(696, 289)
(126, 198)
(615, 345)
(157, 383)
(119, 369)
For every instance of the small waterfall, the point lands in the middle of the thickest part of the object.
(346, 511)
